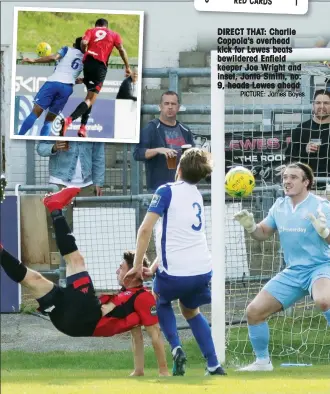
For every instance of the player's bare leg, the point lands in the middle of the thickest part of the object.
(79, 111)
(138, 351)
(321, 296)
(75, 263)
(263, 306)
(30, 120)
(37, 284)
(202, 333)
(19, 273)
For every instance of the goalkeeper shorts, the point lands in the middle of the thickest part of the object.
(294, 283)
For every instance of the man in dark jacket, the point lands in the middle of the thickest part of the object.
(310, 142)
(162, 138)
(127, 90)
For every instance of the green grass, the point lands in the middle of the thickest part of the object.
(61, 29)
(107, 372)
(109, 381)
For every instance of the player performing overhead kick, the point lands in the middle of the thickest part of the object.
(76, 310)
(303, 221)
(185, 266)
(97, 45)
(56, 91)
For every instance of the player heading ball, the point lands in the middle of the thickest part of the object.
(97, 45)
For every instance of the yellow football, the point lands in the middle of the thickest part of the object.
(239, 182)
(43, 49)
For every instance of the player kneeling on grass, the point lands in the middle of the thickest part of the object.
(302, 220)
(76, 310)
(185, 267)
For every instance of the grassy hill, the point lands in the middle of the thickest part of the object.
(61, 28)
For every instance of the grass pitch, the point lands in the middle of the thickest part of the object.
(61, 28)
(108, 372)
(315, 380)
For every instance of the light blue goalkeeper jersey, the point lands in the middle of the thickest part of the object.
(301, 244)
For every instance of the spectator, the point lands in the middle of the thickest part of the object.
(162, 138)
(310, 141)
(127, 90)
(79, 164)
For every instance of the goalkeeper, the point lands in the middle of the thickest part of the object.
(76, 310)
(302, 220)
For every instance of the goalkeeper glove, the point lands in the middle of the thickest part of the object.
(246, 220)
(320, 223)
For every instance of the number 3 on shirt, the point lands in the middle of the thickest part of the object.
(100, 34)
(198, 215)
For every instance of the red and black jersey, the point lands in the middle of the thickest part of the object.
(101, 42)
(135, 306)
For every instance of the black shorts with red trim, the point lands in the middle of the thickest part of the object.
(74, 310)
(94, 74)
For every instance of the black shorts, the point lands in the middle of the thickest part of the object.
(74, 310)
(94, 74)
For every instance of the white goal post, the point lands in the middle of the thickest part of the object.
(310, 57)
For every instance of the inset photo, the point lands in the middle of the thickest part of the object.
(76, 75)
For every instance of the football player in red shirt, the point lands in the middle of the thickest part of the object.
(97, 45)
(76, 310)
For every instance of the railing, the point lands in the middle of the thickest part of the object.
(260, 268)
(174, 75)
(268, 111)
(115, 61)
(137, 201)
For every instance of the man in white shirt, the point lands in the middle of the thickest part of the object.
(55, 92)
(183, 266)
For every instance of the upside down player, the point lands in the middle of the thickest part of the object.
(303, 222)
(185, 266)
(55, 92)
(97, 45)
(75, 310)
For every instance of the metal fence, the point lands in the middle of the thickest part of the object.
(126, 176)
(114, 63)
(106, 226)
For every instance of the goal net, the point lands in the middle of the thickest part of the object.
(250, 131)
(254, 130)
